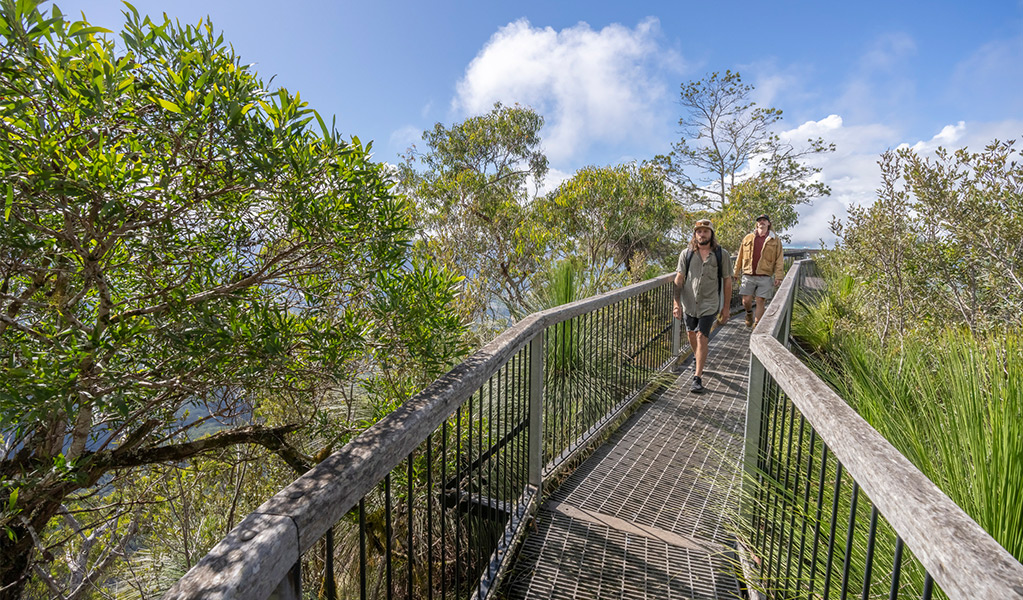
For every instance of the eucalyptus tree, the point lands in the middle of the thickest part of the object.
(188, 262)
(726, 136)
(473, 188)
(750, 198)
(616, 219)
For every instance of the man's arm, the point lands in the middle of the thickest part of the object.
(727, 308)
(779, 265)
(676, 308)
(737, 271)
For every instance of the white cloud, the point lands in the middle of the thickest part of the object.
(592, 87)
(782, 86)
(888, 52)
(946, 138)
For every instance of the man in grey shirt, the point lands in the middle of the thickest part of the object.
(703, 288)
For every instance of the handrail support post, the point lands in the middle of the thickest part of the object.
(536, 385)
(752, 448)
(676, 340)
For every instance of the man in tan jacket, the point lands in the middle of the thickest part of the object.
(760, 263)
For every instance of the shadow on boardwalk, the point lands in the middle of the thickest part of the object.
(645, 515)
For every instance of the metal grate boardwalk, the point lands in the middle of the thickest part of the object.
(645, 515)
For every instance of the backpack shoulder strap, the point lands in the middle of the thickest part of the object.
(687, 256)
(721, 272)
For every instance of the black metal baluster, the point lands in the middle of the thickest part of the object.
(928, 586)
(763, 454)
(785, 487)
(328, 567)
(633, 347)
(480, 530)
(590, 401)
(573, 415)
(834, 523)
(820, 509)
(525, 412)
(773, 471)
(444, 508)
(429, 515)
(562, 391)
(618, 347)
(410, 553)
(868, 566)
(606, 356)
(806, 504)
(522, 439)
(850, 534)
(488, 498)
(362, 548)
(500, 457)
(893, 591)
(550, 398)
(388, 513)
(546, 440)
(459, 515)
(795, 489)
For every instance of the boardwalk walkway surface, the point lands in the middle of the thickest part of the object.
(645, 515)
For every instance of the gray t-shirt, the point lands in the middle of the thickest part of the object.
(700, 289)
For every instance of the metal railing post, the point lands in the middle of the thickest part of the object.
(676, 340)
(786, 328)
(536, 384)
(751, 453)
(290, 587)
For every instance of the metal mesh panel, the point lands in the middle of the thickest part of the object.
(645, 515)
(572, 558)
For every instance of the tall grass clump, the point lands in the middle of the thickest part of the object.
(953, 405)
(950, 401)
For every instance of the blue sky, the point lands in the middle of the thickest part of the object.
(865, 75)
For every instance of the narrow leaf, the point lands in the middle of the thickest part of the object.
(9, 204)
(167, 104)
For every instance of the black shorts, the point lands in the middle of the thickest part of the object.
(702, 323)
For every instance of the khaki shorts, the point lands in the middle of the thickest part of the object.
(761, 286)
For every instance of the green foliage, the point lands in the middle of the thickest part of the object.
(425, 341)
(820, 322)
(614, 219)
(561, 284)
(795, 504)
(750, 198)
(947, 398)
(943, 243)
(472, 202)
(184, 252)
(724, 133)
